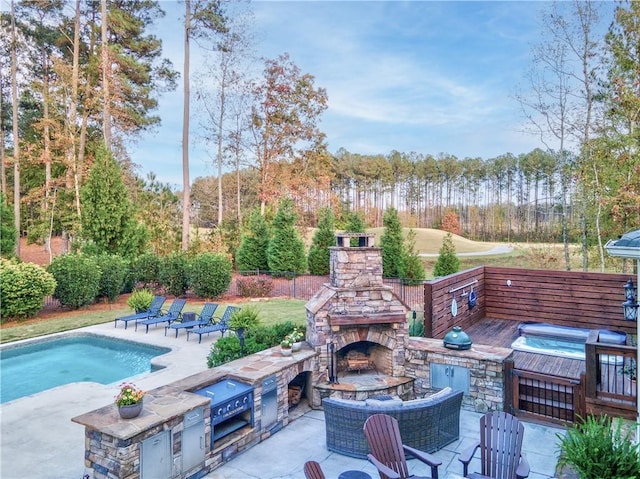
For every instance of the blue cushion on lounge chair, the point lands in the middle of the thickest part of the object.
(221, 325)
(174, 312)
(204, 318)
(154, 310)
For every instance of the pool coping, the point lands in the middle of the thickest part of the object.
(43, 420)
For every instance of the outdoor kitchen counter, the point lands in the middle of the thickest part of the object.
(250, 369)
(161, 405)
(478, 352)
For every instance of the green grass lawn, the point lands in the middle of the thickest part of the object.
(272, 311)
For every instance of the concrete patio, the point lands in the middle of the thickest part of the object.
(283, 455)
(38, 438)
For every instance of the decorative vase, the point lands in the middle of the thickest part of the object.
(296, 346)
(130, 411)
(285, 351)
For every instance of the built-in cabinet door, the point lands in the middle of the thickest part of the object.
(455, 377)
(193, 440)
(155, 456)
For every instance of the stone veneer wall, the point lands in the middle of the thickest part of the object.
(355, 267)
(485, 365)
(113, 445)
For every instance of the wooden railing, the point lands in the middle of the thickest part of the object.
(540, 397)
(611, 382)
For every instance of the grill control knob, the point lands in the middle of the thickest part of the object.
(244, 400)
(237, 403)
(229, 407)
(219, 411)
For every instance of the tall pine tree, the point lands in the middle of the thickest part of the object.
(447, 262)
(286, 249)
(324, 237)
(252, 253)
(392, 244)
(355, 224)
(107, 219)
(413, 268)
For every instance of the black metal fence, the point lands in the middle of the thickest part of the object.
(304, 286)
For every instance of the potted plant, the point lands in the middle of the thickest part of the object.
(597, 449)
(285, 346)
(140, 300)
(129, 400)
(243, 319)
(296, 336)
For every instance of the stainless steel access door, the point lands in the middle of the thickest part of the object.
(155, 456)
(193, 440)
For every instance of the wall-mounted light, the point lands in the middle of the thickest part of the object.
(630, 307)
(509, 282)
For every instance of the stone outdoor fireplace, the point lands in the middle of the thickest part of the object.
(358, 326)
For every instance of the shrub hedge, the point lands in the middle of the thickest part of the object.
(78, 279)
(23, 287)
(210, 275)
(173, 273)
(114, 272)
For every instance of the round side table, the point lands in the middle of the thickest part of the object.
(354, 475)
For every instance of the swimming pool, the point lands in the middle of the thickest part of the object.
(45, 364)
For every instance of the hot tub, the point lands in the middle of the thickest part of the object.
(562, 341)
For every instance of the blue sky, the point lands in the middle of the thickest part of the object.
(425, 77)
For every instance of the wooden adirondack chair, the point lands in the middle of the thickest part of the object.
(312, 470)
(388, 452)
(500, 448)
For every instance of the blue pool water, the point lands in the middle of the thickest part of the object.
(46, 364)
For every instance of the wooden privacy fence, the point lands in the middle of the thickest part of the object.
(564, 298)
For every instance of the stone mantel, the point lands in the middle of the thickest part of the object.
(161, 405)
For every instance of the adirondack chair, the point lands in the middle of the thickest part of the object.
(388, 452)
(221, 325)
(202, 319)
(172, 314)
(312, 470)
(154, 309)
(500, 448)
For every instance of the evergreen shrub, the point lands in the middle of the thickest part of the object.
(252, 252)
(78, 279)
(210, 275)
(324, 237)
(447, 262)
(257, 339)
(174, 274)
(146, 269)
(114, 272)
(23, 287)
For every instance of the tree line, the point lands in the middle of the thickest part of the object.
(81, 79)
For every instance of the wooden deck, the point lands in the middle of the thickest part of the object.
(503, 332)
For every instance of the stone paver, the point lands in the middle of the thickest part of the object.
(38, 438)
